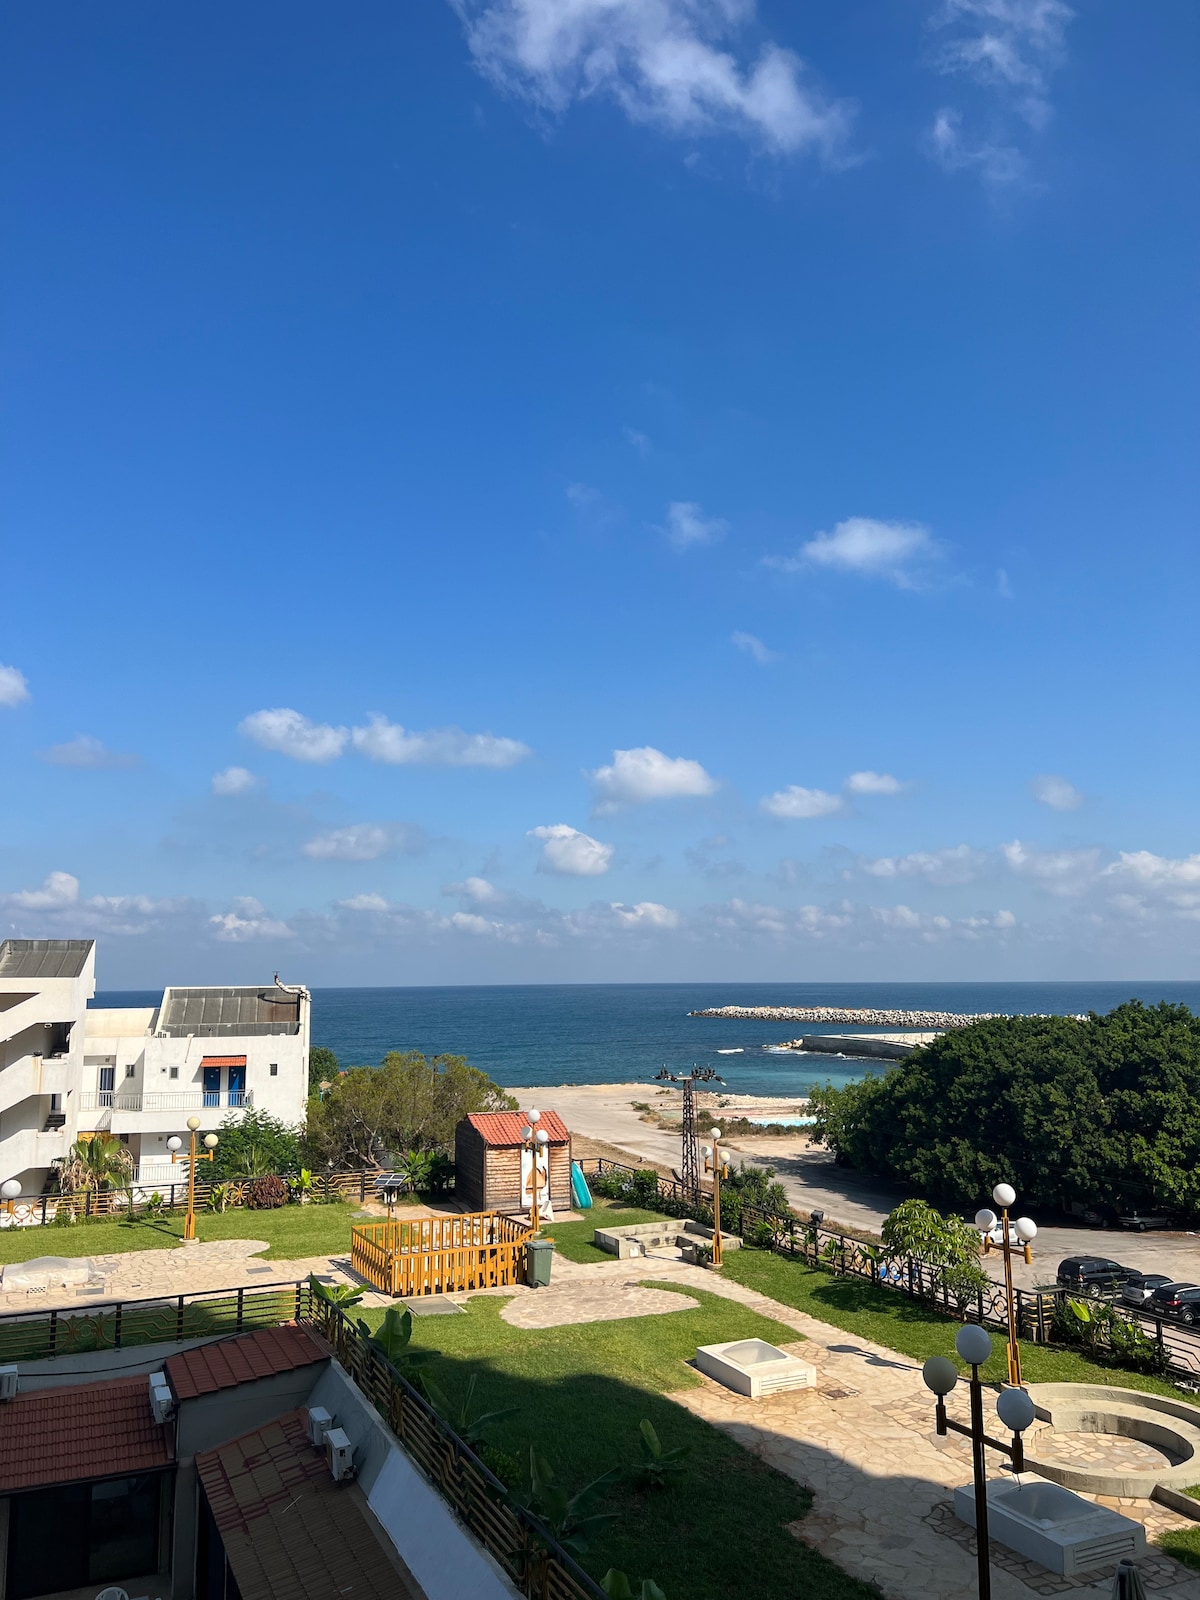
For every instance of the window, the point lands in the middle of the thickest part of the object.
(113, 1534)
(174, 1072)
(131, 1070)
(274, 1069)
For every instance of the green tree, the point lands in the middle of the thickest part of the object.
(323, 1067)
(252, 1144)
(374, 1115)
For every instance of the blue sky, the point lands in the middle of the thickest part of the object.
(558, 490)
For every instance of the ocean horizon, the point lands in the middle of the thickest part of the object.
(547, 1034)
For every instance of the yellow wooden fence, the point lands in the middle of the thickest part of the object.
(440, 1255)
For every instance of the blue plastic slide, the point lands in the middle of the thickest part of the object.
(580, 1192)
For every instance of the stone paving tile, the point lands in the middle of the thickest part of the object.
(557, 1308)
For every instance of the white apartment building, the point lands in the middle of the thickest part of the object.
(67, 1068)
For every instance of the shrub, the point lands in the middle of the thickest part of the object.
(759, 1236)
(267, 1193)
(64, 1215)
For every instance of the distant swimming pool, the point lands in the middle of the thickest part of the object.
(783, 1122)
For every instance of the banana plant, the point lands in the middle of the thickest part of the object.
(618, 1587)
(335, 1294)
(394, 1337)
(573, 1519)
(470, 1425)
(657, 1465)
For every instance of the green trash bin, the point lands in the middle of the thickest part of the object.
(540, 1253)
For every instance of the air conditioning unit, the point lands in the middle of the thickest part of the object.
(8, 1383)
(162, 1401)
(339, 1455)
(319, 1424)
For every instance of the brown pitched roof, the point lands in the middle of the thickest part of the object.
(223, 1365)
(290, 1532)
(222, 1061)
(94, 1430)
(504, 1127)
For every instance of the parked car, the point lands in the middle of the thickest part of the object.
(1140, 1223)
(1094, 1276)
(1138, 1288)
(1180, 1300)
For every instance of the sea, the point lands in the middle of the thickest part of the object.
(548, 1034)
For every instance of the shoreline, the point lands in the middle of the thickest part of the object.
(852, 1016)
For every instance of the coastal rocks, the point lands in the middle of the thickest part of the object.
(860, 1018)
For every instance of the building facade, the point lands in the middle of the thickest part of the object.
(69, 1069)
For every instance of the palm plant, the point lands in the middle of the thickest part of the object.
(100, 1164)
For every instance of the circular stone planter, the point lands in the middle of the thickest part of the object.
(1170, 1427)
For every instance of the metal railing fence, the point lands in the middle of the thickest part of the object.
(41, 1209)
(1036, 1310)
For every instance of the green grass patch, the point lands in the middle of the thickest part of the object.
(574, 1239)
(291, 1232)
(1182, 1543)
(892, 1319)
(582, 1392)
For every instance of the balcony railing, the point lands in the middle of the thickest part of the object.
(186, 1100)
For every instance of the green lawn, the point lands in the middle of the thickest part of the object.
(582, 1392)
(892, 1319)
(292, 1231)
(574, 1239)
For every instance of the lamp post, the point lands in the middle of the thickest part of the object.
(535, 1140)
(715, 1162)
(1015, 1410)
(10, 1189)
(1026, 1231)
(175, 1145)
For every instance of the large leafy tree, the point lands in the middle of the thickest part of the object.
(372, 1115)
(1103, 1109)
(253, 1143)
(323, 1067)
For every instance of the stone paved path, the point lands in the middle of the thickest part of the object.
(586, 1302)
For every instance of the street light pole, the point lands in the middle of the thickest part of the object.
(175, 1145)
(1026, 1231)
(714, 1162)
(535, 1140)
(1015, 1410)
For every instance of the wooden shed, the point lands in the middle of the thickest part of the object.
(488, 1167)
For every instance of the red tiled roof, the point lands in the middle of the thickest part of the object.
(290, 1532)
(504, 1127)
(94, 1430)
(222, 1061)
(223, 1365)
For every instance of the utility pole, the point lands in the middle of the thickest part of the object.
(689, 1167)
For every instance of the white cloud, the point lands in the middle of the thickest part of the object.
(995, 163)
(234, 780)
(477, 889)
(1066, 872)
(636, 776)
(14, 687)
(754, 647)
(664, 62)
(289, 733)
(687, 526)
(566, 850)
(86, 753)
(640, 441)
(796, 804)
(364, 902)
(1056, 792)
(1009, 46)
(248, 921)
(873, 783)
(646, 914)
(386, 741)
(868, 548)
(361, 841)
(59, 890)
(957, 864)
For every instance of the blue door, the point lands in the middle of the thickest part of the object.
(237, 1086)
(212, 1086)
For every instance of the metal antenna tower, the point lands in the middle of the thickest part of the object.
(689, 1169)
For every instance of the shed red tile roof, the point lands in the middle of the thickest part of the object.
(94, 1430)
(504, 1127)
(290, 1532)
(222, 1061)
(223, 1365)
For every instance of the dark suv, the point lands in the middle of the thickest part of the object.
(1180, 1300)
(1094, 1276)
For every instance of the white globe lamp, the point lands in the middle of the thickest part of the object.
(1015, 1409)
(10, 1189)
(1026, 1229)
(973, 1344)
(985, 1220)
(174, 1142)
(939, 1374)
(1004, 1195)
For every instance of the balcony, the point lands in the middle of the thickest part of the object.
(185, 1100)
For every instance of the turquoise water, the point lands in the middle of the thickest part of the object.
(608, 1033)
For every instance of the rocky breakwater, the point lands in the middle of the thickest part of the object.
(854, 1017)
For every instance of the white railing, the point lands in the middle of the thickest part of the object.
(186, 1100)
